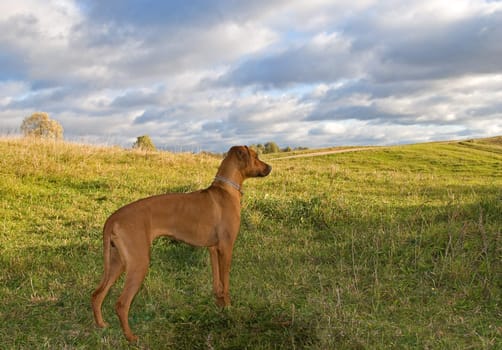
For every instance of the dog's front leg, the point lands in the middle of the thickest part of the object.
(224, 261)
(217, 285)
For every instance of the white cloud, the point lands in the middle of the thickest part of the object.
(52, 19)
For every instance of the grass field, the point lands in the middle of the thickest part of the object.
(397, 247)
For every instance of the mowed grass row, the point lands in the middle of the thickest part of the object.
(397, 247)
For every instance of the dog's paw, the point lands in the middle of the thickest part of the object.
(102, 324)
(220, 302)
(131, 338)
(223, 301)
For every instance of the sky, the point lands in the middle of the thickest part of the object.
(205, 75)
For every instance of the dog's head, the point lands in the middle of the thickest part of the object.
(249, 163)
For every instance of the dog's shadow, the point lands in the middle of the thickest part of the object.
(256, 326)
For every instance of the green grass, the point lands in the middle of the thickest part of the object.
(397, 247)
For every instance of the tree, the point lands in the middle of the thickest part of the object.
(271, 147)
(144, 143)
(40, 125)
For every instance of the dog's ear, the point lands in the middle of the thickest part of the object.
(242, 152)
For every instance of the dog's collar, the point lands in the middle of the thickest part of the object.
(229, 182)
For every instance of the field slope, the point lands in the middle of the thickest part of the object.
(397, 247)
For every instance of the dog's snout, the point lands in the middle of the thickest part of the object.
(268, 170)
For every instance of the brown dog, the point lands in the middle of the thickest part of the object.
(208, 218)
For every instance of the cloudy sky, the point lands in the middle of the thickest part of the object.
(206, 74)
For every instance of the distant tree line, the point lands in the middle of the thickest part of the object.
(272, 147)
(145, 143)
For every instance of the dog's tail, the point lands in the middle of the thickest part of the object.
(107, 246)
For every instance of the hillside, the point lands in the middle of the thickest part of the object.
(394, 247)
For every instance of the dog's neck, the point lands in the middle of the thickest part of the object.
(229, 182)
(228, 174)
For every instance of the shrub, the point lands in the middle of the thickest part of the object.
(144, 143)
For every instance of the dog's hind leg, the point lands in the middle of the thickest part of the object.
(134, 278)
(112, 273)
